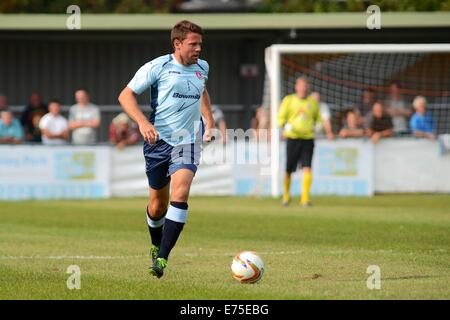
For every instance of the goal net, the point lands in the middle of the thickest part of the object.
(354, 76)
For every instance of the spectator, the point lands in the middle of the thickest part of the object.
(33, 113)
(54, 127)
(351, 127)
(326, 116)
(11, 131)
(84, 118)
(379, 123)
(398, 110)
(365, 108)
(219, 121)
(261, 123)
(122, 131)
(422, 122)
(3, 102)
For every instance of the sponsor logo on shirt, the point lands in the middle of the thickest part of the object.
(199, 74)
(186, 96)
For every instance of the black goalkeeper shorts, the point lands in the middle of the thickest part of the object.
(299, 152)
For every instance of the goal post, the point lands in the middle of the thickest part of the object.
(343, 71)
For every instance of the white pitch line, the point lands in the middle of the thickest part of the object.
(70, 257)
(203, 254)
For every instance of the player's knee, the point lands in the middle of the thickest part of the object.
(180, 193)
(157, 209)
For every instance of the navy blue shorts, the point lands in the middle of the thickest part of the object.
(162, 160)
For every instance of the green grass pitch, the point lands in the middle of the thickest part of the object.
(321, 252)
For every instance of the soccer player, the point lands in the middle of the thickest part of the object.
(172, 134)
(298, 115)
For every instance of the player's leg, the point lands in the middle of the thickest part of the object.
(291, 166)
(286, 188)
(175, 218)
(156, 211)
(178, 210)
(157, 166)
(182, 168)
(306, 161)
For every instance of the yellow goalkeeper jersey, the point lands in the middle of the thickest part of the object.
(298, 117)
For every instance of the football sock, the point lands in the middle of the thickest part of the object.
(155, 227)
(306, 186)
(286, 187)
(175, 219)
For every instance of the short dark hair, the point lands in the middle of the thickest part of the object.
(182, 28)
(83, 89)
(378, 101)
(54, 101)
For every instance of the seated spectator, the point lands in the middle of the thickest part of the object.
(123, 131)
(397, 108)
(364, 108)
(422, 122)
(54, 127)
(3, 102)
(84, 119)
(325, 114)
(33, 113)
(351, 127)
(11, 131)
(379, 123)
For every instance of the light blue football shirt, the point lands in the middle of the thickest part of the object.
(175, 93)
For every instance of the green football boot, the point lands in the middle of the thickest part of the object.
(157, 269)
(154, 251)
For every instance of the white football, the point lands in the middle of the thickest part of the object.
(247, 267)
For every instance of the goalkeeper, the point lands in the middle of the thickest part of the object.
(298, 116)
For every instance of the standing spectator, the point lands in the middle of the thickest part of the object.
(54, 127)
(398, 110)
(33, 113)
(261, 123)
(422, 122)
(351, 127)
(325, 113)
(122, 131)
(11, 131)
(380, 123)
(84, 118)
(3, 102)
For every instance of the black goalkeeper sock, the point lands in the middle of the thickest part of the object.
(175, 220)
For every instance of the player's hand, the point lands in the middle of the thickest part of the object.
(208, 136)
(148, 132)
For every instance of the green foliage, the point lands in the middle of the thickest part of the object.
(168, 6)
(87, 6)
(352, 5)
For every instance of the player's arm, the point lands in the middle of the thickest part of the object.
(207, 114)
(283, 112)
(127, 100)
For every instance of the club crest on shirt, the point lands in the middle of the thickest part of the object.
(199, 74)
